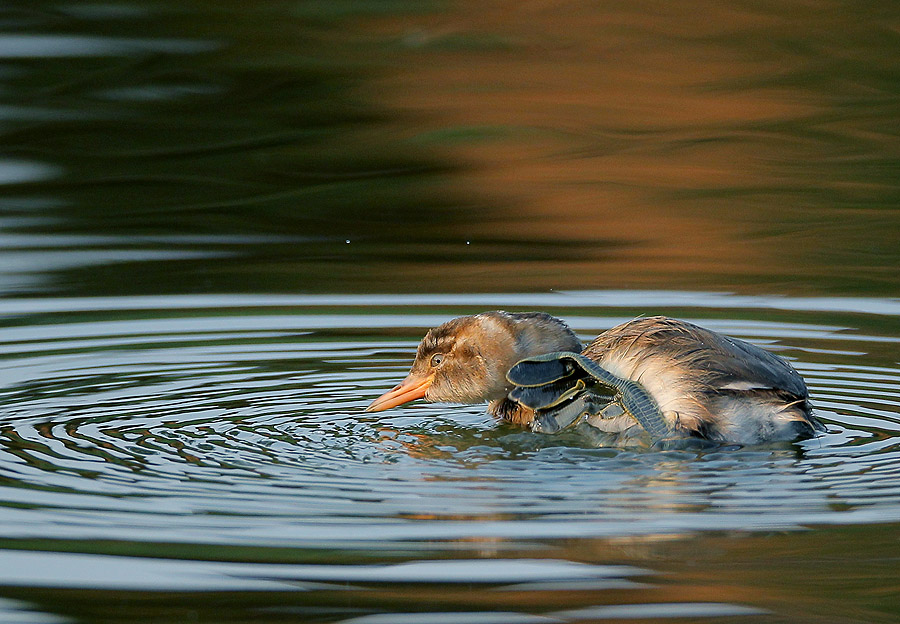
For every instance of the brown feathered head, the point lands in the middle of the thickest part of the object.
(466, 360)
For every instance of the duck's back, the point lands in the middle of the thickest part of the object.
(711, 385)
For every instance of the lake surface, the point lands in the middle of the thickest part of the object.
(224, 228)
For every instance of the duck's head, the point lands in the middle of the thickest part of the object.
(466, 360)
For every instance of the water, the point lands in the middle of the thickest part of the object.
(219, 444)
(224, 229)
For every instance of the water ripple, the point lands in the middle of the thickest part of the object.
(245, 425)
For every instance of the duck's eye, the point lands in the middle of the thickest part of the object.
(437, 359)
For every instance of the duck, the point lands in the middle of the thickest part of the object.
(669, 377)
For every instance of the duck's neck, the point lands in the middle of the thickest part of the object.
(511, 411)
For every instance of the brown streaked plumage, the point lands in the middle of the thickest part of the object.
(706, 385)
(475, 354)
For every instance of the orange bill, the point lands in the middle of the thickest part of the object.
(409, 389)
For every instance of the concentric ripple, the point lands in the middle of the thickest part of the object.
(245, 425)
(197, 443)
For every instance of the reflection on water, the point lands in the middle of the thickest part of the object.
(16, 171)
(220, 443)
(389, 146)
(14, 46)
(172, 453)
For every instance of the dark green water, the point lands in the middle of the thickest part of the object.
(224, 227)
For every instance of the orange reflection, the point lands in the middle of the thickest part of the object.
(670, 146)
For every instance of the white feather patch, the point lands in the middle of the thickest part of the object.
(745, 385)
